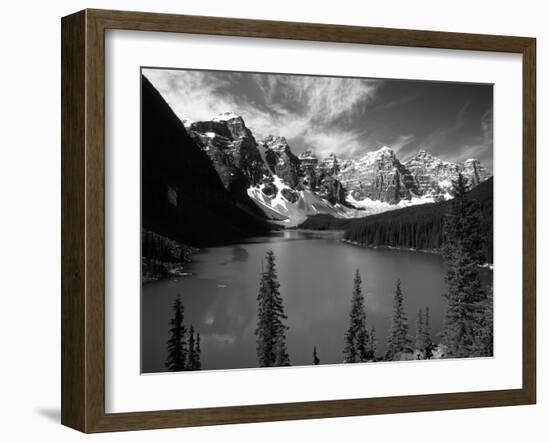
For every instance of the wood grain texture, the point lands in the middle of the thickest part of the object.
(95, 222)
(73, 254)
(83, 220)
(529, 221)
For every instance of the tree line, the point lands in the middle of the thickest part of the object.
(184, 344)
(423, 227)
(161, 255)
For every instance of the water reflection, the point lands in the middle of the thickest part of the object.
(239, 253)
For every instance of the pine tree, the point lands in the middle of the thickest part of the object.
(264, 339)
(198, 351)
(420, 334)
(281, 353)
(460, 186)
(484, 337)
(191, 355)
(316, 359)
(356, 338)
(371, 346)
(428, 344)
(271, 331)
(177, 351)
(465, 294)
(399, 342)
(423, 342)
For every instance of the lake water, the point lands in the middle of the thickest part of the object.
(315, 271)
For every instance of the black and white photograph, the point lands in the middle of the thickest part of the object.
(301, 220)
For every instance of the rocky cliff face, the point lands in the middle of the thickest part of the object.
(475, 172)
(378, 176)
(434, 177)
(309, 166)
(321, 177)
(280, 159)
(288, 187)
(232, 149)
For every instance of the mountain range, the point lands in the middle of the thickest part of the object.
(288, 188)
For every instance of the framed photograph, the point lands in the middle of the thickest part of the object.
(268, 220)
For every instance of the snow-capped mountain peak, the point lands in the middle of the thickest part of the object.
(435, 176)
(385, 150)
(289, 187)
(226, 116)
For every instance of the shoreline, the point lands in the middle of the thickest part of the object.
(489, 266)
(406, 249)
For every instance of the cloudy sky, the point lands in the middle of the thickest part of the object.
(345, 116)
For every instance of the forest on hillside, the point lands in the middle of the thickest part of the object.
(416, 227)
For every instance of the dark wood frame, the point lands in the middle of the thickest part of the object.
(83, 216)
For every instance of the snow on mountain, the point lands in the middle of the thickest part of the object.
(289, 187)
(187, 122)
(378, 176)
(371, 207)
(434, 176)
(226, 116)
(289, 207)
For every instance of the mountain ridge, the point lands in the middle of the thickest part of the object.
(374, 182)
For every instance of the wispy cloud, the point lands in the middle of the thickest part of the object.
(315, 110)
(190, 94)
(398, 102)
(345, 116)
(402, 141)
(481, 146)
(343, 143)
(442, 135)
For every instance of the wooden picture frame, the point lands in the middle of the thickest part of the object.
(83, 220)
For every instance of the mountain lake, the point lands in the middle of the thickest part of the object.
(315, 270)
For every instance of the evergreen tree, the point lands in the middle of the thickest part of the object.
(420, 334)
(177, 351)
(316, 359)
(484, 336)
(356, 338)
(466, 298)
(191, 353)
(399, 342)
(198, 364)
(264, 339)
(428, 344)
(460, 186)
(423, 342)
(281, 353)
(371, 347)
(271, 331)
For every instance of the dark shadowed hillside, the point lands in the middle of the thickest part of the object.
(183, 197)
(324, 221)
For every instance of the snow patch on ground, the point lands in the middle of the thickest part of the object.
(488, 266)
(373, 206)
(291, 214)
